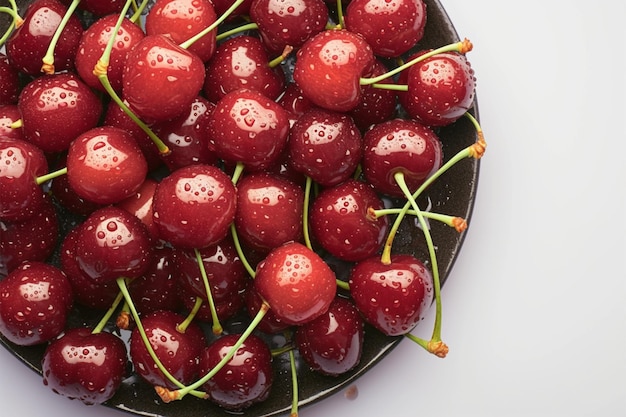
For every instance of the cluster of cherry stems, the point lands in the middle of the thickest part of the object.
(332, 132)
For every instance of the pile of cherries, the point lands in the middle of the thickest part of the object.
(218, 157)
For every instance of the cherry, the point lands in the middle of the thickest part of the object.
(391, 28)
(29, 43)
(269, 211)
(161, 79)
(35, 301)
(441, 89)
(93, 43)
(99, 7)
(296, 283)
(86, 366)
(325, 145)
(177, 351)
(332, 344)
(245, 380)
(294, 101)
(186, 136)
(392, 297)
(105, 165)
(283, 24)
(56, 109)
(9, 81)
(113, 243)
(248, 128)
(10, 114)
(21, 163)
(400, 146)
(183, 19)
(194, 206)
(329, 67)
(65, 195)
(342, 222)
(33, 239)
(242, 62)
(140, 204)
(377, 104)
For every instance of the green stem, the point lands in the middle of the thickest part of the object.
(107, 315)
(305, 213)
(242, 28)
(16, 22)
(138, 10)
(461, 47)
(211, 27)
(452, 221)
(182, 327)
(239, 168)
(279, 59)
(51, 175)
(391, 86)
(294, 384)
(340, 17)
(240, 252)
(48, 59)
(217, 327)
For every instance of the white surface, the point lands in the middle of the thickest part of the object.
(534, 310)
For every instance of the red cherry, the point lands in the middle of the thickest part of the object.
(390, 27)
(329, 67)
(105, 165)
(35, 300)
(56, 109)
(194, 206)
(392, 297)
(332, 343)
(296, 283)
(183, 19)
(161, 79)
(245, 380)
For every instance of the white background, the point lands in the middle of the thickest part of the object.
(534, 311)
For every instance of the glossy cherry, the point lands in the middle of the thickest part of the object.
(194, 206)
(85, 366)
(35, 301)
(105, 165)
(245, 380)
(392, 297)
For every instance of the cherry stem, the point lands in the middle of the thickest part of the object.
(340, 18)
(107, 315)
(453, 221)
(182, 327)
(16, 22)
(211, 27)
(48, 59)
(294, 384)
(51, 175)
(239, 168)
(462, 47)
(217, 327)
(390, 86)
(279, 59)
(138, 10)
(121, 282)
(305, 213)
(436, 336)
(168, 396)
(240, 252)
(239, 29)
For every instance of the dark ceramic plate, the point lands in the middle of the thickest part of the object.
(453, 194)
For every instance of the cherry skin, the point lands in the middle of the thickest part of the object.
(377, 105)
(9, 81)
(113, 243)
(225, 309)
(99, 7)
(325, 145)
(284, 24)
(183, 19)
(65, 195)
(85, 366)
(269, 211)
(21, 163)
(28, 44)
(245, 380)
(441, 89)
(390, 27)
(296, 283)
(56, 109)
(329, 67)
(332, 344)
(178, 352)
(33, 239)
(161, 79)
(400, 145)
(392, 297)
(194, 206)
(269, 324)
(247, 127)
(105, 165)
(242, 62)
(221, 6)
(342, 223)
(93, 43)
(35, 301)
(140, 205)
